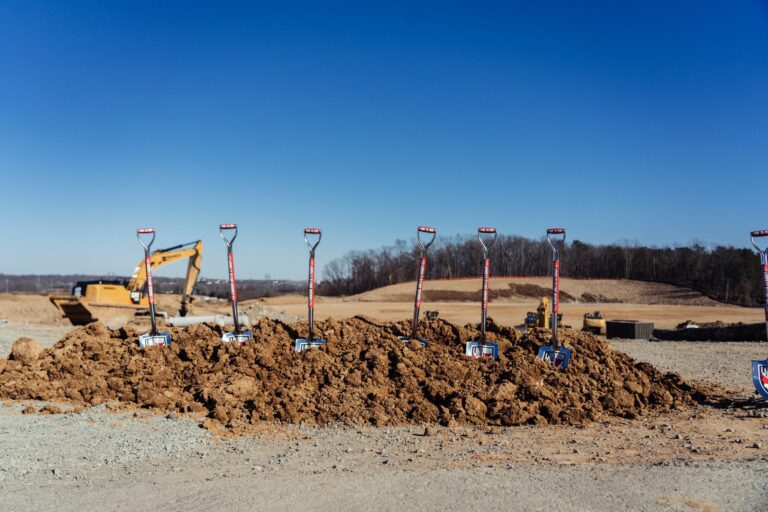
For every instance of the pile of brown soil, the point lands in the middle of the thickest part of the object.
(364, 375)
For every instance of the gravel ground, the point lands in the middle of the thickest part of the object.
(116, 461)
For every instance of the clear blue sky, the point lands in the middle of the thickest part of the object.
(645, 121)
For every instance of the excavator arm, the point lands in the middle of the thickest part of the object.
(192, 250)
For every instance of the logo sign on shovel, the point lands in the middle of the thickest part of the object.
(420, 284)
(760, 368)
(154, 338)
(239, 336)
(310, 341)
(557, 355)
(483, 348)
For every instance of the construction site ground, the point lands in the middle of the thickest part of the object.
(708, 458)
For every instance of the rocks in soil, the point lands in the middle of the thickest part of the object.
(25, 350)
(364, 375)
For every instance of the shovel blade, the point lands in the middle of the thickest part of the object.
(161, 339)
(303, 344)
(760, 377)
(406, 339)
(478, 350)
(558, 358)
(231, 337)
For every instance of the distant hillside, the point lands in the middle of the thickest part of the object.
(726, 274)
(523, 289)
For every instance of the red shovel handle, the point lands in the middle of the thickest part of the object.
(556, 231)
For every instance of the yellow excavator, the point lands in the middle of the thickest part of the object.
(542, 317)
(95, 300)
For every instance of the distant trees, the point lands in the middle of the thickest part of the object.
(726, 274)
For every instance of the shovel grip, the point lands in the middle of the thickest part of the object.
(556, 231)
(145, 231)
(759, 233)
(487, 230)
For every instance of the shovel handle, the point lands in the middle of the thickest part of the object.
(760, 233)
(146, 231)
(428, 230)
(309, 232)
(486, 231)
(228, 227)
(551, 233)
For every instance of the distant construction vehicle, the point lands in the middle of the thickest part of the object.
(91, 301)
(594, 322)
(542, 317)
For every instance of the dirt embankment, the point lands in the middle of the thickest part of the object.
(363, 376)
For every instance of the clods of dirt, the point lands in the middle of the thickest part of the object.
(25, 350)
(364, 375)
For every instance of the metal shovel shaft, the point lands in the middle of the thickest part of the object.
(311, 299)
(148, 267)
(233, 288)
(555, 300)
(150, 292)
(762, 233)
(486, 273)
(417, 301)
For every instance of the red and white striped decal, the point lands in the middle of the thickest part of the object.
(150, 283)
(311, 282)
(486, 273)
(420, 282)
(556, 282)
(765, 289)
(232, 283)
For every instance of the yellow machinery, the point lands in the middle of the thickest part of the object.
(92, 299)
(542, 318)
(594, 322)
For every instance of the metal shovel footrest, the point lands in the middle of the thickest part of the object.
(760, 377)
(231, 337)
(161, 339)
(406, 339)
(303, 344)
(479, 349)
(558, 358)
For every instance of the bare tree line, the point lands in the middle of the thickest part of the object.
(726, 274)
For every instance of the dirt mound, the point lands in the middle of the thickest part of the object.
(363, 376)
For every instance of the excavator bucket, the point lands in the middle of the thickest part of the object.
(72, 307)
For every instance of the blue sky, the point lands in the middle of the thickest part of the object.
(643, 121)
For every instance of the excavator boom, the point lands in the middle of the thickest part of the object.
(92, 300)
